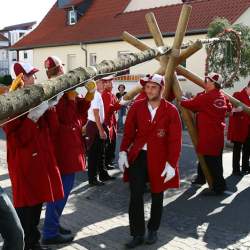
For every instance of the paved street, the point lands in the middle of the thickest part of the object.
(98, 216)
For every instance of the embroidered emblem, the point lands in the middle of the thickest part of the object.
(219, 103)
(161, 133)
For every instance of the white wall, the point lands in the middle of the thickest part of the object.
(244, 18)
(196, 63)
(148, 4)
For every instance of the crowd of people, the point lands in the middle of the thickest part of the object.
(50, 144)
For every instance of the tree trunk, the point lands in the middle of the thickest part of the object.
(21, 100)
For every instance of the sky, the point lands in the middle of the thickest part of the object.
(21, 11)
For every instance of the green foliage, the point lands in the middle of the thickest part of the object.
(223, 60)
(217, 26)
(6, 80)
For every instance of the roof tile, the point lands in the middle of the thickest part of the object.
(104, 22)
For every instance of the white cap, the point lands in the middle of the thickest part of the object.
(152, 78)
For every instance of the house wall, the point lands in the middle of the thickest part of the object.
(14, 36)
(244, 18)
(111, 51)
(76, 56)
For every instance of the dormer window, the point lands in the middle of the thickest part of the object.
(72, 17)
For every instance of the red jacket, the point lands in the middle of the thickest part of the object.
(33, 170)
(111, 105)
(163, 138)
(239, 122)
(211, 111)
(69, 146)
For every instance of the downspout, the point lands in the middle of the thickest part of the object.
(86, 53)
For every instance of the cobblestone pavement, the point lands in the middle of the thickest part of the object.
(98, 216)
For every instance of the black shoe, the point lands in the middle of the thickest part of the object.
(96, 183)
(152, 237)
(136, 241)
(209, 192)
(245, 171)
(63, 230)
(198, 182)
(110, 167)
(237, 173)
(59, 239)
(106, 178)
(40, 247)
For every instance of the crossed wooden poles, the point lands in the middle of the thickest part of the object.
(169, 64)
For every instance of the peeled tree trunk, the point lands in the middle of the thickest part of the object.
(22, 100)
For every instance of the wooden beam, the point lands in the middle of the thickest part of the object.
(22, 100)
(192, 130)
(179, 36)
(200, 82)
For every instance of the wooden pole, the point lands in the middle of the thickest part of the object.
(154, 29)
(179, 36)
(186, 114)
(22, 100)
(200, 82)
(191, 127)
(181, 70)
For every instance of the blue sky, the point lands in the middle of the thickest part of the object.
(21, 11)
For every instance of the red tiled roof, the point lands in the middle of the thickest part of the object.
(105, 22)
(3, 38)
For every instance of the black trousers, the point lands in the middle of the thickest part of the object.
(215, 167)
(138, 176)
(96, 159)
(109, 150)
(245, 149)
(30, 218)
(200, 176)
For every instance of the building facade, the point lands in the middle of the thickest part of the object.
(13, 34)
(83, 33)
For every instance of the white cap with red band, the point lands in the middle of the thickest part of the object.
(158, 79)
(25, 68)
(52, 62)
(216, 78)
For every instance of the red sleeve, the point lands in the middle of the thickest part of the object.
(130, 128)
(20, 130)
(174, 138)
(196, 104)
(52, 121)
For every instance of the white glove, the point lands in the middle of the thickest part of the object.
(238, 109)
(37, 112)
(55, 100)
(124, 102)
(123, 160)
(184, 98)
(168, 172)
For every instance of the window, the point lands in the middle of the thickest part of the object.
(21, 34)
(14, 56)
(92, 59)
(72, 17)
(25, 54)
